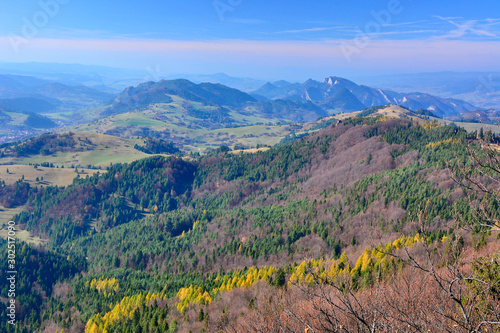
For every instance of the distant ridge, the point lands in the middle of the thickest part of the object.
(139, 98)
(338, 94)
(158, 92)
(69, 97)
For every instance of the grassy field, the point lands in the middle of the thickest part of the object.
(183, 129)
(193, 139)
(6, 215)
(50, 176)
(17, 118)
(104, 150)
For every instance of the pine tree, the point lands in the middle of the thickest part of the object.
(280, 278)
(201, 315)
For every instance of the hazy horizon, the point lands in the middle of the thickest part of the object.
(14, 69)
(256, 39)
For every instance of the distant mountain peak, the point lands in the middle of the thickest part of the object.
(338, 94)
(281, 83)
(140, 97)
(269, 85)
(331, 80)
(334, 80)
(310, 83)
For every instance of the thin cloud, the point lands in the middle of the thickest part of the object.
(245, 21)
(391, 29)
(448, 17)
(340, 28)
(469, 27)
(255, 47)
(403, 32)
(419, 23)
(69, 33)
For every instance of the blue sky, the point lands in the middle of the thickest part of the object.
(253, 38)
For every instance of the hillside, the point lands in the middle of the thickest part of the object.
(217, 102)
(394, 111)
(223, 229)
(199, 116)
(343, 101)
(73, 149)
(29, 104)
(151, 92)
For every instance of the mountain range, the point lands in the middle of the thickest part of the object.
(481, 89)
(337, 95)
(333, 95)
(478, 88)
(19, 88)
(173, 107)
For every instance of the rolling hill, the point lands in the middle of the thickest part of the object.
(186, 112)
(191, 132)
(490, 116)
(198, 115)
(69, 150)
(210, 95)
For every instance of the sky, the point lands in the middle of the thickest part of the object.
(292, 39)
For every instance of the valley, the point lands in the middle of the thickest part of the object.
(226, 216)
(177, 206)
(192, 114)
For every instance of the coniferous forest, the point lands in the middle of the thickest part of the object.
(372, 224)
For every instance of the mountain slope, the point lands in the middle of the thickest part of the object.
(328, 93)
(335, 157)
(178, 110)
(12, 86)
(243, 84)
(204, 92)
(343, 100)
(480, 116)
(289, 110)
(29, 104)
(165, 237)
(479, 88)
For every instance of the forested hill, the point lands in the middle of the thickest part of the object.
(167, 243)
(215, 103)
